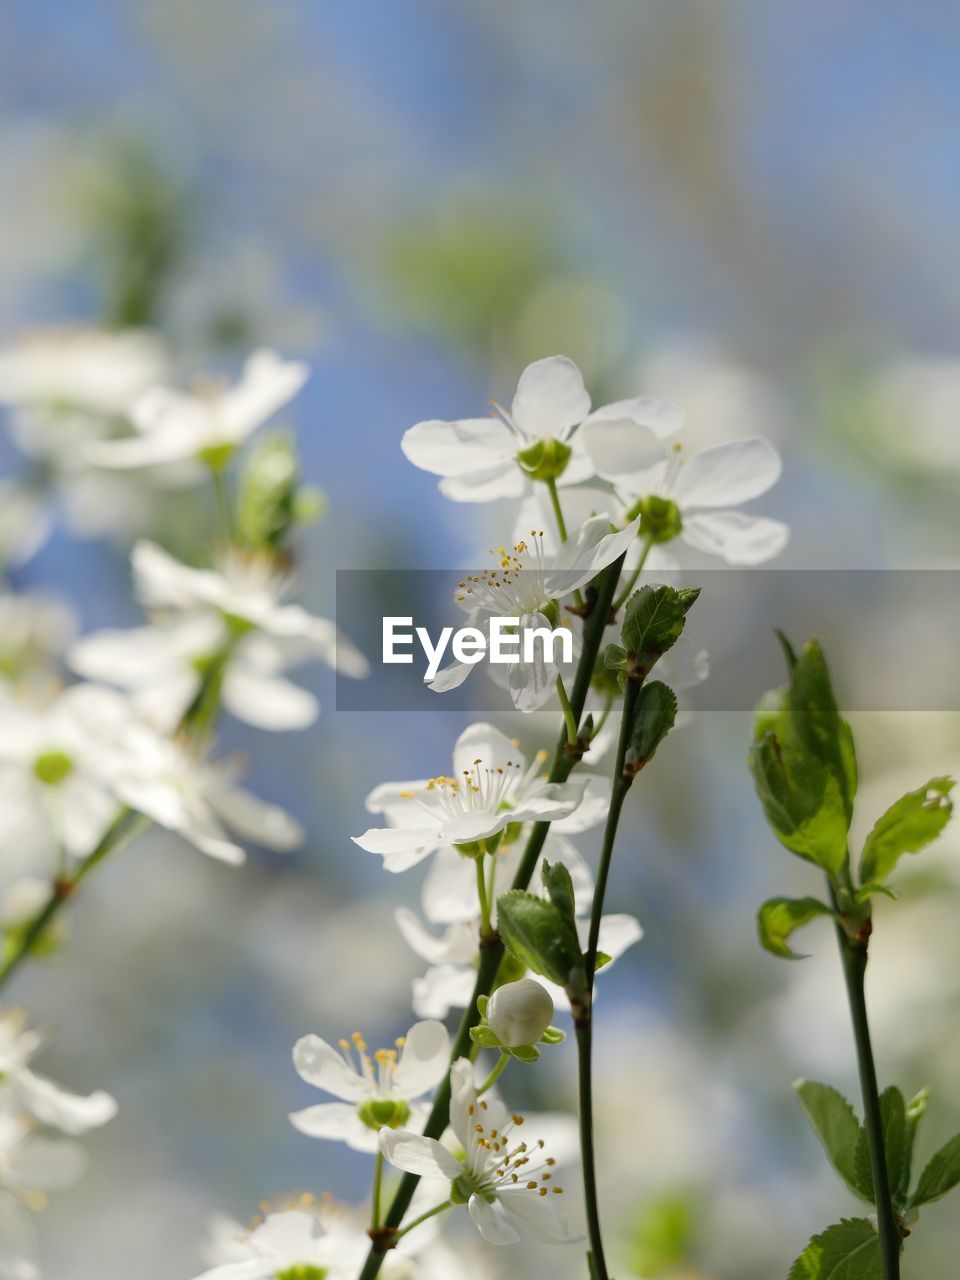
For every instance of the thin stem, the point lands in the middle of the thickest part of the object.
(853, 953)
(583, 1016)
(491, 955)
(569, 719)
(377, 1192)
(494, 1075)
(485, 929)
(424, 1217)
(557, 509)
(125, 827)
(604, 716)
(632, 580)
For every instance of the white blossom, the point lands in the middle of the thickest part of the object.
(375, 1089)
(39, 1097)
(491, 787)
(506, 1183)
(519, 1012)
(477, 458)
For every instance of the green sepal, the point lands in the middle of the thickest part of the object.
(525, 1053)
(779, 917)
(545, 459)
(553, 1035)
(485, 1037)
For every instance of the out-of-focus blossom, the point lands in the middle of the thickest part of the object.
(491, 788)
(519, 1012)
(39, 1097)
(35, 631)
(289, 1242)
(692, 498)
(484, 458)
(205, 426)
(58, 769)
(379, 1089)
(231, 619)
(507, 1183)
(25, 523)
(528, 584)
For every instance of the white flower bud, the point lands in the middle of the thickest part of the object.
(519, 1012)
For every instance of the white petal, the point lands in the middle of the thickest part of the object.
(468, 827)
(620, 448)
(18, 1243)
(323, 1067)
(46, 1164)
(550, 398)
(466, 448)
(451, 677)
(416, 1154)
(541, 1216)
(69, 1112)
(486, 743)
(400, 849)
(266, 385)
(251, 1269)
(450, 888)
(442, 988)
(493, 1226)
(424, 1059)
(663, 417)
(738, 538)
(268, 702)
(592, 809)
(336, 1121)
(430, 948)
(727, 474)
(617, 934)
(581, 559)
(255, 819)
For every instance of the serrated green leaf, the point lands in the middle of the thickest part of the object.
(559, 886)
(779, 917)
(941, 1174)
(802, 802)
(614, 657)
(654, 619)
(653, 718)
(908, 826)
(536, 934)
(893, 1115)
(849, 1250)
(835, 1123)
(817, 724)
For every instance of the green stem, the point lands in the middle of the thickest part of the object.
(424, 1217)
(634, 577)
(569, 719)
(485, 928)
(377, 1192)
(491, 955)
(223, 503)
(495, 1074)
(583, 1016)
(557, 509)
(125, 827)
(853, 953)
(604, 717)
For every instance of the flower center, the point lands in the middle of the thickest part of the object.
(51, 767)
(545, 459)
(660, 518)
(497, 1165)
(303, 1271)
(377, 1069)
(516, 586)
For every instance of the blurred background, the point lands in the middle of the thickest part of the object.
(746, 209)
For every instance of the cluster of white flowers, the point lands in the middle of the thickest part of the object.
(133, 742)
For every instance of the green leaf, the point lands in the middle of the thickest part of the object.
(536, 934)
(893, 1115)
(559, 886)
(915, 1111)
(941, 1174)
(868, 891)
(653, 718)
(615, 658)
(663, 1237)
(802, 802)
(817, 723)
(849, 1250)
(835, 1123)
(908, 826)
(778, 917)
(653, 621)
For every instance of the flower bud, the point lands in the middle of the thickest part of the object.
(519, 1012)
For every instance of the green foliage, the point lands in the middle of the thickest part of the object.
(779, 917)
(541, 933)
(893, 1115)
(849, 1250)
(908, 826)
(653, 718)
(662, 1238)
(802, 801)
(941, 1174)
(268, 497)
(835, 1123)
(653, 621)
